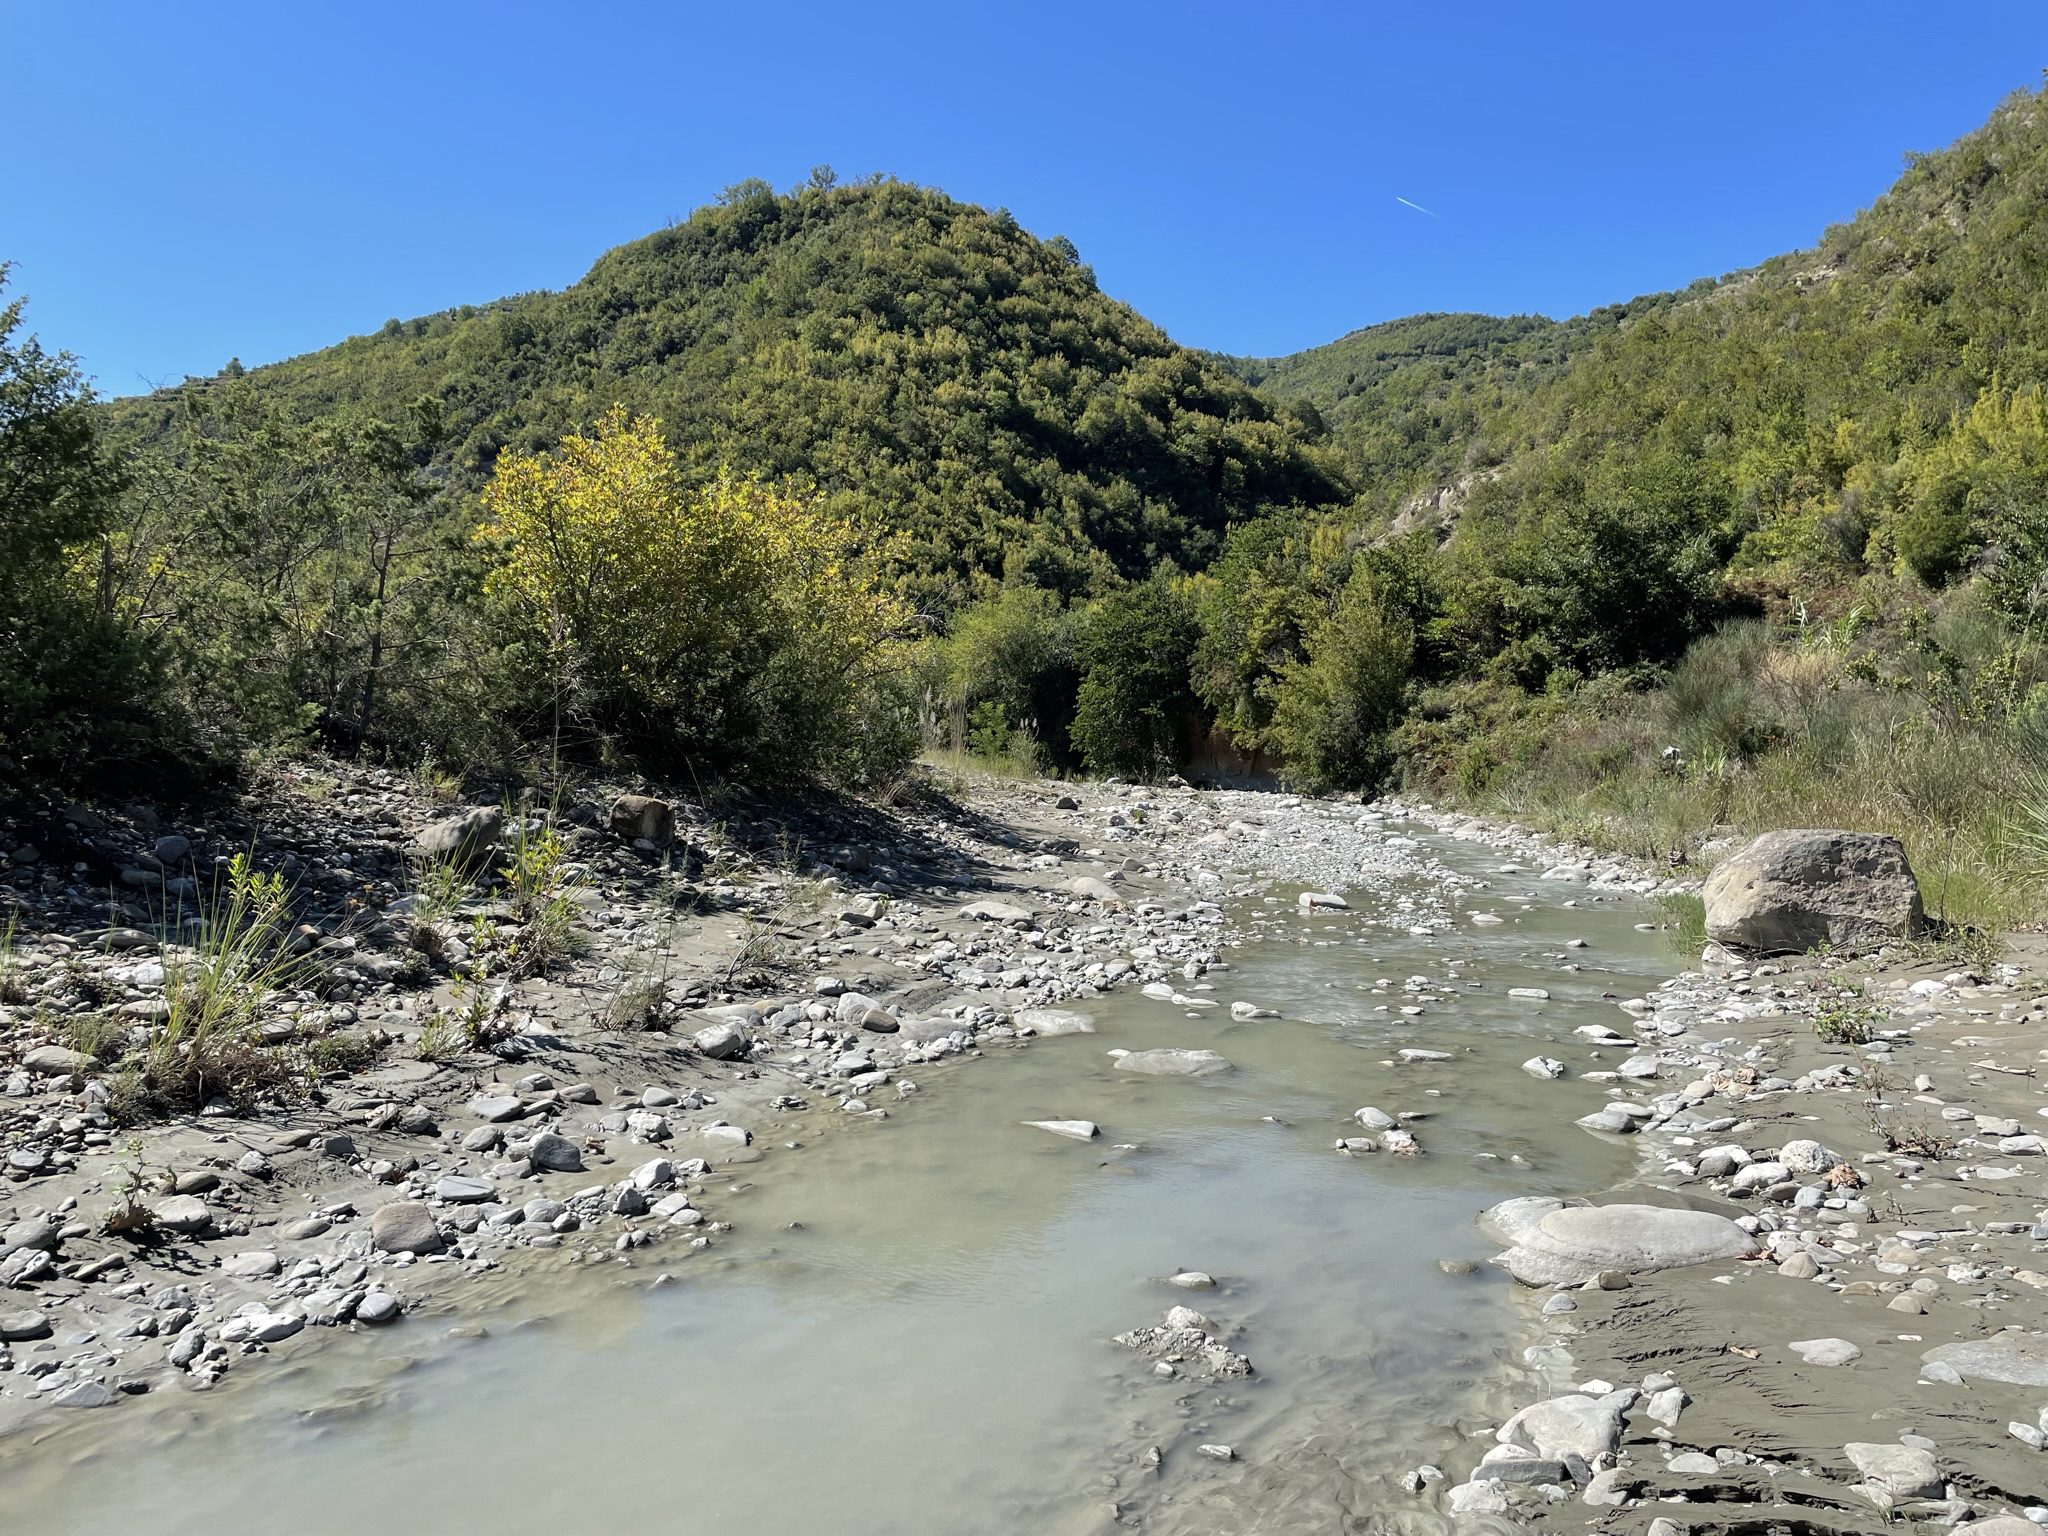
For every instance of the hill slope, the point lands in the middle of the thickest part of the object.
(1823, 384)
(920, 359)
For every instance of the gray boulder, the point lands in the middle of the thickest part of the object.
(2014, 1357)
(465, 840)
(55, 1061)
(404, 1226)
(1789, 891)
(639, 818)
(1900, 1471)
(1552, 1242)
(556, 1154)
(1574, 1424)
(724, 1041)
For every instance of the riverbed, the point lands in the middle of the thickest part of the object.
(910, 1327)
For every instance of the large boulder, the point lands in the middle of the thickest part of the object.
(1552, 1242)
(639, 818)
(1789, 891)
(465, 841)
(2014, 1357)
(404, 1226)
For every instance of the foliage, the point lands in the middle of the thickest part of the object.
(216, 986)
(909, 355)
(1846, 1023)
(728, 622)
(1008, 669)
(77, 685)
(1134, 705)
(1335, 709)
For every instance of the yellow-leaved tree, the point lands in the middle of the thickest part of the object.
(715, 626)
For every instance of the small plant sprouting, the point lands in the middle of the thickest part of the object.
(1844, 1023)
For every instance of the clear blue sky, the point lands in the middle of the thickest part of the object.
(190, 183)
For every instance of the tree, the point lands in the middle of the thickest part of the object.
(1335, 709)
(77, 685)
(1134, 704)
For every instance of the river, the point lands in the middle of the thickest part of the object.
(909, 1329)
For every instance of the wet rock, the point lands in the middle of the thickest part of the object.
(1791, 890)
(1322, 901)
(1079, 1130)
(1478, 1498)
(1183, 1338)
(1053, 1021)
(1171, 1062)
(1544, 1066)
(1555, 1243)
(377, 1308)
(1192, 1280)
(404, 1226)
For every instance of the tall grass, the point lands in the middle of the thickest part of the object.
(1752, 733)
(217, 985)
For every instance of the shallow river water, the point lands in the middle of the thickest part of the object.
(928, 1349)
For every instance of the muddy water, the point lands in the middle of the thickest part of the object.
(909, 1330)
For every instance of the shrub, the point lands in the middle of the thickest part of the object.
(1134, 704)
(1012, 657)
(1336, 710)
(732, 623)
(79, 687)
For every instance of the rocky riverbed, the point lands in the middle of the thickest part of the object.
(1859, 1216)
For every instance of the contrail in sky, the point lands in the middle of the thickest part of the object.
(1417, 207)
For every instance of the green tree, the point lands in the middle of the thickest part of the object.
(1134, 706)
(1335, 709)
(78, 686)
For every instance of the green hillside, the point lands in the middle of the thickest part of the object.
(1821, 384)
(922, 361)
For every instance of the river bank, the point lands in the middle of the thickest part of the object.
(1079, 890)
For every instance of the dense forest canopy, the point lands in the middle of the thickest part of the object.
(922, 362)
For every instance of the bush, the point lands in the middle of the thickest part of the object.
(1336, 709)
(1010, 658)
(729, 625)
(78, 686)
(1134, 705)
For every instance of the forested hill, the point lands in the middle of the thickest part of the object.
(919, 359)
(1821, 384)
